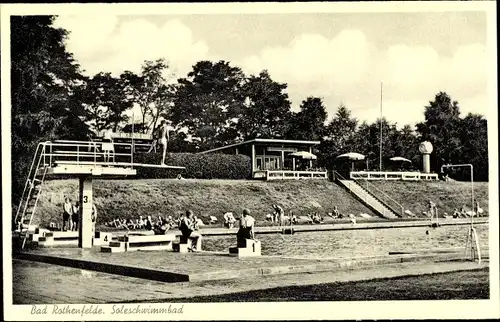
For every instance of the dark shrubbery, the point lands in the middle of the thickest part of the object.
(198, 166)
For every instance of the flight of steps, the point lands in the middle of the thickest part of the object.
(368, 199)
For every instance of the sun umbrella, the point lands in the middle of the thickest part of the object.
(304, 155)
(352, 156)
(399, 159)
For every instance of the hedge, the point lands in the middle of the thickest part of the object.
(198, 166)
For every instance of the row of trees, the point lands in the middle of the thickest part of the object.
(215, 104)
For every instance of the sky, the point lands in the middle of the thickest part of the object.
(340, 57)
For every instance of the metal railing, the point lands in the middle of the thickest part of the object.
(86, 152)
(382, 196)
(393, 175)
(360, 192)
(37, 158)
(290, 174)
(348, 184)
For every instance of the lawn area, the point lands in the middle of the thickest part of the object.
(446, 195)
(131, 198)
(470, 284)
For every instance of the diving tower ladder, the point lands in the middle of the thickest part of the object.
(31, 193)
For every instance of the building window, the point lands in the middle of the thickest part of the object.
(259, 163)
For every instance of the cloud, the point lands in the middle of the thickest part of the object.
(110, 44)
(349, 68)
(344, 68)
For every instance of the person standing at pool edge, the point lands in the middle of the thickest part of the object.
(246, 228)
(75, 216)
(67, 215)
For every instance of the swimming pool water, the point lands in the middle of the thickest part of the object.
(355, 243)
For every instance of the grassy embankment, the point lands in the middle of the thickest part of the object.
(446, 195)
(131, 198)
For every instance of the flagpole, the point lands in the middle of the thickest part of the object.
(381, 89)
(132, 147)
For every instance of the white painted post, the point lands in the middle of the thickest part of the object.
(310, 161)
(253, 159)
(85, 234)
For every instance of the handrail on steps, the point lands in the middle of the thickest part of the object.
(338, 175)
(382, 192)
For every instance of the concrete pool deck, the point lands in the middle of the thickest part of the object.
(41, 283)
(173, 267)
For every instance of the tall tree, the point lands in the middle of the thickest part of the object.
(367, 142)
(267, 109)
(309, 122)
(208, 101)
(405, 144)
(105, 102)
(151, 90)
(44, 77)
(339, 136)
(474, 142)
(441, 127)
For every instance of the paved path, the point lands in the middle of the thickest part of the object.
(39, 283)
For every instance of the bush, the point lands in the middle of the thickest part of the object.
(198, 166)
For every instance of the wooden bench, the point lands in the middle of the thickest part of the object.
(252, 248)
(132, 243)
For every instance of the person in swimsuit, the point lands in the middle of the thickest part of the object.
(108, 147)
(165, 137)
(280, 214)
(76, 214)
(67, 214)
(94, 218)
(188, 227)
(247, 223)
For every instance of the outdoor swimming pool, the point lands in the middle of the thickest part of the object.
(355, 243)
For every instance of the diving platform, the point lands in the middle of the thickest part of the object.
(83, 160)
(101, 168)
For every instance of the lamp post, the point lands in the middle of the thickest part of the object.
(472, 235)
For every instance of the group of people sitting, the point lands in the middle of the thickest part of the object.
(278, 217)
(464, 213)
(432, 212)
(160, 224)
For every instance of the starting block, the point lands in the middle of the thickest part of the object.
(185, 244)
(136, 243)
(102, 238)
(39, 232)
(252, 248)
(58, 238)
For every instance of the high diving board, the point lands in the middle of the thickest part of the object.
(102, 168)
